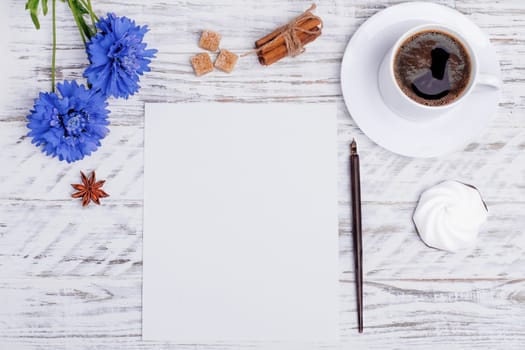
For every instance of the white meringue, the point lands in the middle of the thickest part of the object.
(449, 215)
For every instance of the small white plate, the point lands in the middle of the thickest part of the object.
(359, 70)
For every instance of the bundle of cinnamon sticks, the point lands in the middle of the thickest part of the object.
(290, 39)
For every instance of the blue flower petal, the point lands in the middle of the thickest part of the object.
(69, 126)
(118, 56)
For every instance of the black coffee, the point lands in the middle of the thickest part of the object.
(432, 68)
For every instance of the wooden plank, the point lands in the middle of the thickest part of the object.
(61, 239)
(495, 164)
(411, 313)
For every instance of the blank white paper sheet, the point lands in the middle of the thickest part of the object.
(240, 223)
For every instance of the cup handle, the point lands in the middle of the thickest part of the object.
(488, 80)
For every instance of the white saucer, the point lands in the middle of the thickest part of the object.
(359, 69)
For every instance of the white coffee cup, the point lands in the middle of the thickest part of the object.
(406, 107)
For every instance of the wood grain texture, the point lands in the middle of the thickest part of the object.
(71, 278)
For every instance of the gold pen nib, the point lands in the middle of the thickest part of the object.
(353, 147)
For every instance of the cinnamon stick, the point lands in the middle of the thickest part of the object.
(305, 23)
(289, 40)
(268, 37)
(281, 51)
(308, 25)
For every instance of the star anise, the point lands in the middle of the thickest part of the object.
(89, 190)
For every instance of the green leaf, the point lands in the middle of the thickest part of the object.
(34, 17)
(79, 11)
(79, 6)
(85, 27)
(32, 6)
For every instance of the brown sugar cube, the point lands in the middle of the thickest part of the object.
(226, 61)
(201, 64)
(210, 40)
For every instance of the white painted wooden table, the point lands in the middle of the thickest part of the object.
(70, 278)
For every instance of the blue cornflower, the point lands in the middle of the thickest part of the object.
(118, 56)
(71, 126)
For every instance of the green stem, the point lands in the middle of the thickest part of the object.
(53, 60)
(75, 16)
(94, 18)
